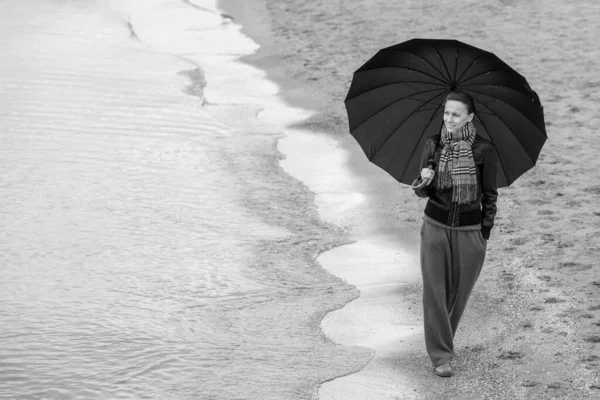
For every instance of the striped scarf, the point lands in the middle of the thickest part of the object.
(456, 168)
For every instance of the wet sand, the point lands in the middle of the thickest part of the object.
(532, 328)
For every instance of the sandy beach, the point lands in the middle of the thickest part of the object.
(532, 328)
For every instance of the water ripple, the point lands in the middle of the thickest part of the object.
(133, 264)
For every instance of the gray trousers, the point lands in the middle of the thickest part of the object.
(450, 264)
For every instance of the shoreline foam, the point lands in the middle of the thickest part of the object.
(375, 263)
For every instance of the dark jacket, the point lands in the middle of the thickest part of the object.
(440, 206)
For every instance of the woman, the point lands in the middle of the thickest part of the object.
(459, 177)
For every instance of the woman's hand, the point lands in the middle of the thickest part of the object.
(427, 175)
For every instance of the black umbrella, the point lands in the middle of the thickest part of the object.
(395, 103)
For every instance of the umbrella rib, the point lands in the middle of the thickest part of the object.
(391, 83)
(467, 69)
(411, 114)
(494, 70)
(510, 130)
(498, 155)
(391, 104)
(515, 136)
(528, 95)
(508, 104)
(401, 67)
(422, 133)
(456, 62)
(424, 59)
(443, 62)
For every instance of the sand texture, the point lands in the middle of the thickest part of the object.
(532, 328)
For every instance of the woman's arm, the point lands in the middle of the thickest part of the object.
(489, 191)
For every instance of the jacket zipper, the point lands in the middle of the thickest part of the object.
(453, 221)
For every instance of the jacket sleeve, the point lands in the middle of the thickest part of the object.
(489, 191)
(427, 159)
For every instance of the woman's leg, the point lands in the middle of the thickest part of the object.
(469, 248)
(436, 269)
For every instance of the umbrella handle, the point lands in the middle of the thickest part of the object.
(419, 183)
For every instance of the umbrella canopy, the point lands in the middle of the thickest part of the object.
(395, 103)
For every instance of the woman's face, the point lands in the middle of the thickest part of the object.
(456, 115)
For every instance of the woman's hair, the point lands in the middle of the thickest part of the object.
(463, 98)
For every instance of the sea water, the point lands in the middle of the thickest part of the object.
(150, 244)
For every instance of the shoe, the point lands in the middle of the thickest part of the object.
(444, 370)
